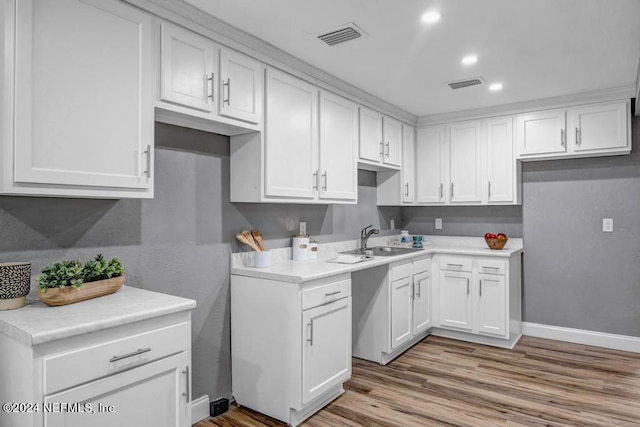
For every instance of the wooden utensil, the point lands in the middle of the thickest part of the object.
(246, 238)
(257, 236)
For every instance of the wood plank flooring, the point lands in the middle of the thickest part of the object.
(442, 382)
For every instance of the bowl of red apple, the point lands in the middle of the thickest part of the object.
(495, 241)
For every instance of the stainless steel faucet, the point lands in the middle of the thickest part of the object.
(365, 234)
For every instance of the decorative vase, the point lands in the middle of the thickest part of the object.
(15, 283)
(69, 294)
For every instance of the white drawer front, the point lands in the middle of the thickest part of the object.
(490, 266)
(454, 263)
(319, 295)
(422, 266)
(64, 370)
(400, 272)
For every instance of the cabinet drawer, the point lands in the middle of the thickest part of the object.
(490, 266)
(400, 272)
(323, 294)
(451, 263)
(78, 366)
(421, 266)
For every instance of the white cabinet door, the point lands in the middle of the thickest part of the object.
(541, 132)
(465, 162)
(156, 394)
(338, 148)
(392, 138)
(326, 350)
(491, 307)
(408, 164)
(456, 308)
(187, 69)
(430, 161)
(241, 86)
(499, 160)
(371, 145)
(84, 96)
(401, 308)
(421, 302)
(598, 128)
(291, 137)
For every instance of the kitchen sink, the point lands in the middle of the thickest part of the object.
(381, 251)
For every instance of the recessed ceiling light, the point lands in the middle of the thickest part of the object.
(470, 59)
(431, 17)
(495, 86)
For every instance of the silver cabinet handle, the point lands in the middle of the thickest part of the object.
(381, 148)
(212, 87)
(480, 287)
(489, 189)
(578, 136)
(148, 153)
(228, 85)
(452, 190)
(325, 181)
(413, 290)
(187, 393)
(441, 191)
(406, 192)
(315, 179)
(454, 265)
(328, 294)
(418, 285)
(467, 286)
(310, 339)
(387, 145)
(133, 353)
(486, 267)
(562, 137)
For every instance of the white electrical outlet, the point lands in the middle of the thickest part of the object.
(438, 223)
(607, 225)
(303, 227)
(393, 224)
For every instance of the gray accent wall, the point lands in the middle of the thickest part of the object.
(180, 242)
(575, 275)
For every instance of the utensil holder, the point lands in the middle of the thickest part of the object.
(262, 259)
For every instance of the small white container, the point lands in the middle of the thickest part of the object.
(262, 259)
(300, 247)
(313, 249)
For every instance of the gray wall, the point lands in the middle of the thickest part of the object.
(575, 275)
(179, 242)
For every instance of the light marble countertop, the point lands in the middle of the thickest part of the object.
(37, 323)
(284, 269)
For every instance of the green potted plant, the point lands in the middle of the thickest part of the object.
(71, 281)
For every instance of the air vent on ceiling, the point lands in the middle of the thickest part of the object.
(465, 83)
(341, 34)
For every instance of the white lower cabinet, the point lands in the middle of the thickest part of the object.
(479, 299)
(392, 309)
(290, 344)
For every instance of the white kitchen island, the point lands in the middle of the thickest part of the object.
(296, 325)
(119, 360)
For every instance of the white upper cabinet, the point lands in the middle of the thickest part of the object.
(408, 164)
(430, 165)
(241, 87)
(465, 162)
(371, 145)
(77, 105)
(205, 86)
(380, 143)
(187, 64)
(502, 175)
(338, 148)
(392, 137)
(583, 131)
(291, 137)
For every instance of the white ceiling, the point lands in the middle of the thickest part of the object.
(536, 48)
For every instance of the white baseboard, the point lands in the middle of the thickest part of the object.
(580, 336)
(199, 409)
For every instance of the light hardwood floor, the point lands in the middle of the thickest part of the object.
(442, 382)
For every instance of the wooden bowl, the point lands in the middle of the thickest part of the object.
(496, 244)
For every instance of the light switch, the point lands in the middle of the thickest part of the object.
(438, 223)
(393, 224)
(607, 225)
(303, 227)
